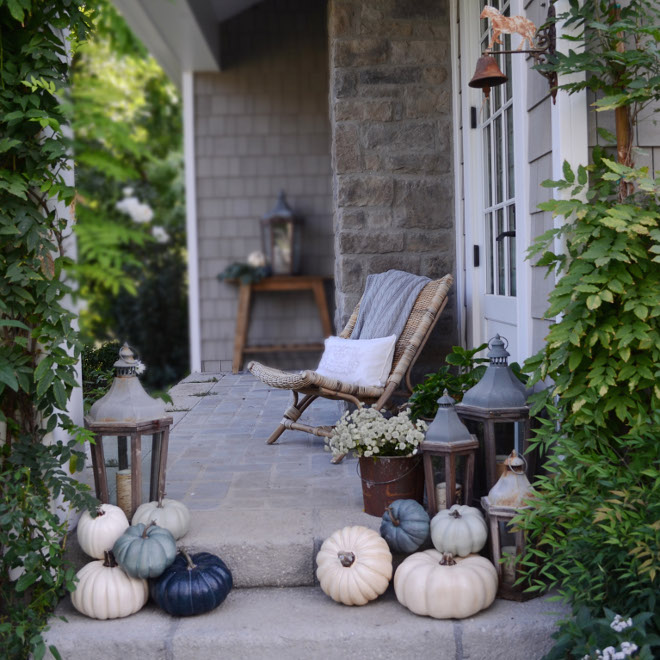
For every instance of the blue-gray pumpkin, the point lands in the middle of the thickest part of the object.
(193, 584)
(145, 551)
(405, 526)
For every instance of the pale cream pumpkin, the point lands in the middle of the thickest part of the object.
(97, 535)
(460, 530)
(173, 515)
(354, 565)
(104, 591)
(438, 585)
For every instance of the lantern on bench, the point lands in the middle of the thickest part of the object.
(280, 238)
(127, 411)
(496, 411)
(507, 543)
(448, 438)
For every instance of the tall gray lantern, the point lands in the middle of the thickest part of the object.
(449, 438)
(496, 411)
(280, 238)
(127, 411)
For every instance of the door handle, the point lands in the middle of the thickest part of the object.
(505, 234)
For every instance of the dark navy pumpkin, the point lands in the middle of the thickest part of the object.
(405, 526)
(193, 584)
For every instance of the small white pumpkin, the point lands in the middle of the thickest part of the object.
(104, 591)
(461, 530)
(98, 535)
(354, 565)
(438, 585)
(173, 515)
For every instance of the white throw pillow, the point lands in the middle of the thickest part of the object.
(365, 362)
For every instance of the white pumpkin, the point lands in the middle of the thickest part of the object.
(98, 535)
(174, 516)
(354, 565)
(461, 530)
(104, 591)
(433, 584)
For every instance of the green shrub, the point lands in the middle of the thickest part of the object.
(595, 527)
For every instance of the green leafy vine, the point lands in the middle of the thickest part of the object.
(39, 443)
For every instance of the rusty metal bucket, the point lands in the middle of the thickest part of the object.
(386, 479)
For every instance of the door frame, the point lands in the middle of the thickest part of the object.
(471, 281)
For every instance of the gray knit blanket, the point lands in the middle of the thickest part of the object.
(386, 304)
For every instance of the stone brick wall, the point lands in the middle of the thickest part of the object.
(393, 186)
(262, 125)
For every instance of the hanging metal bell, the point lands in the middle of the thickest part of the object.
(487, 74)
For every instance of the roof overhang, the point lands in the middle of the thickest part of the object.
(183, 35)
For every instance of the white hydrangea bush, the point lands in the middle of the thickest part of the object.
(367, 432)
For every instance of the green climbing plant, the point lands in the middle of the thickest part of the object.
(593, 528)
(39, 443)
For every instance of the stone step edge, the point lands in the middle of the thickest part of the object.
(302, 623)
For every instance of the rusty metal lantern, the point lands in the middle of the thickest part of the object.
(506, 542)
(127, 411)
(448, 438)
(280, 238)
(496, 411)
(487, 74)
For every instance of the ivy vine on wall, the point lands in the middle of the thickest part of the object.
(38, 345)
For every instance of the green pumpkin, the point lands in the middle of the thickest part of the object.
(145, 551)
(405, 526)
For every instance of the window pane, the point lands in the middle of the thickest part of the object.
(501, 283)
(489, 253)
(488, 183)
(499, 156)
(511, 188)
(512, 251)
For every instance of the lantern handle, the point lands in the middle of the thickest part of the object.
(523, 466)
(506, 345)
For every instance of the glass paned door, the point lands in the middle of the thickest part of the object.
(496, 126)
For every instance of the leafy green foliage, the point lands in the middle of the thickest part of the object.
(131, 266)
(587, 637)
(244, 273)
(98, 371)
(620, 77)
(467, 371)
(594, 528)
(38, 346)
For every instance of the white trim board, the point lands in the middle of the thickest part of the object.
(194, 322)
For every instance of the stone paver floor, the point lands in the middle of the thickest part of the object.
(218, 456)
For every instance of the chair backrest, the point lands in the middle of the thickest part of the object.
(423, 317)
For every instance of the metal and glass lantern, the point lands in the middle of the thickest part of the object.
(448, 438)
(507, 542)
(280, 237)
(127, 411)
(496, 411)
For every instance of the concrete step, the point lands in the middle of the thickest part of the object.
(263, 548)
(303, 624)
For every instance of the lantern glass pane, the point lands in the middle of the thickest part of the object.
(282, 241)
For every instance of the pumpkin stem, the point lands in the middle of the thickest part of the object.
(144, 532)
(455, 513)
(346, 558)
(191, 565)
(160, 501)
(109, 559)
(447, 559)
(393, 518)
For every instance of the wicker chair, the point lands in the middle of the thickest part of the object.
(423, 317)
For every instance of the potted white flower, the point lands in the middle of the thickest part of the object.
(388, 451)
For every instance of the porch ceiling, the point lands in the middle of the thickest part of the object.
(183, 35)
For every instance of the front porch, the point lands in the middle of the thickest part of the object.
(265, 510)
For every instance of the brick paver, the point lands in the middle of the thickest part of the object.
(218, 456)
